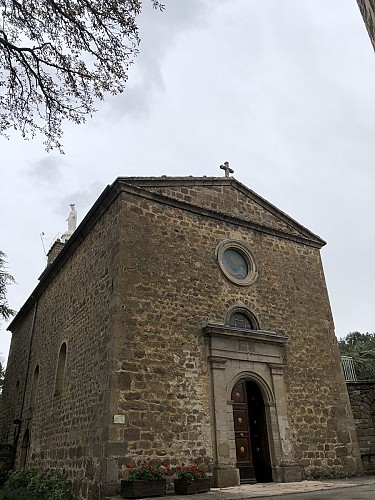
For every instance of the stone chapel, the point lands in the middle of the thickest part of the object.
(186, 319)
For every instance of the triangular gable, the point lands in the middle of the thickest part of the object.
(218, 197)
(226, 196)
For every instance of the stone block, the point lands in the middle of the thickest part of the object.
(291, 473)
(341, 451)
(116, 449)
(225, 477)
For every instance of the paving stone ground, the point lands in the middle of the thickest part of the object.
(245, 492)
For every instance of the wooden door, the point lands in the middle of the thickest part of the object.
(242, 433)
(258, 433)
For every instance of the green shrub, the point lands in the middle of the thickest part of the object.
(20, 478)
(40, 485)
(4, 473)
(20, 494)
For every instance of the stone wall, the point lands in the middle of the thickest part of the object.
(54, 251)
(172, 287)
(362, 400)
(161, 368)
(68, 430)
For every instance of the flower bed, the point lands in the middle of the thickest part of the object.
(191, 480)
(141, 488)
(182, 487)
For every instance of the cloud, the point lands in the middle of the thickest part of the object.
(158, 32)
(47, 170)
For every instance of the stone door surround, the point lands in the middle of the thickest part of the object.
(258, 356)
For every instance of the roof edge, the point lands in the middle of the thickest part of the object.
(105, 199)
(220, 181)
(128, 184)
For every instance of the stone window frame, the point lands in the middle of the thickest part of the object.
(16, 397)
(240, 309)
(60, 370)
(241, 248)
(34, 386)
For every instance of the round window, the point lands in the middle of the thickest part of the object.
(236, 262)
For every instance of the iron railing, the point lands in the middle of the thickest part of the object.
(348, 368)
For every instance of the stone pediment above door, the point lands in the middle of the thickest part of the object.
(229, 342)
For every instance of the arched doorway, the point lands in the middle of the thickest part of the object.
(251, 436)
(25, 448)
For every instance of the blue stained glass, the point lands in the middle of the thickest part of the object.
(235, 264)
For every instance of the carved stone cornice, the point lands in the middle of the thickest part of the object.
(226, 331)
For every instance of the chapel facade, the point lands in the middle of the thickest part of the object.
(186, 319)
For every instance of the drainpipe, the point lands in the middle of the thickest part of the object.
(18, 421)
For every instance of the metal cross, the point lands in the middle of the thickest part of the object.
(227, 169)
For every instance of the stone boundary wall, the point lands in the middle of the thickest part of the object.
(362, 400)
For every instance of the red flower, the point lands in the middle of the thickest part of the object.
(153, 471)
(179, 468)
(129, 466)
(193, 468)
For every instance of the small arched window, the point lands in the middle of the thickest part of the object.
(34, 386)
(239, 316)
(60, 371)
(240, 320)
(16, 398)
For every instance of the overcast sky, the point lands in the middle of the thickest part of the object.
(282, 89)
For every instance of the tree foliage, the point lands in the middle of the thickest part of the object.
(5, 279)
(58, 56)
(361, 347)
